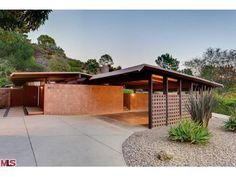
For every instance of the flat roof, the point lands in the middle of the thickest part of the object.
(19, 78)
(155, 70)
(139, 71)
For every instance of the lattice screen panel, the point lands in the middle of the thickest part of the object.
(173, 109)
(159, 109)
(185, 101)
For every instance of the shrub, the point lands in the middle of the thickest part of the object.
(230, 125)
(200, 108)
(128, 91)
(224, 104)
(59, 64)
(189, 131)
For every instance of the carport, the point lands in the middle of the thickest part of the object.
(168, 91)
(165, 93)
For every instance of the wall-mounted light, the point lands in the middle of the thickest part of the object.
(41, 87)
(11, 87)
(132, 94)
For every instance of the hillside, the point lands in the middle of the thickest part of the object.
(17, 53)
(55, 59)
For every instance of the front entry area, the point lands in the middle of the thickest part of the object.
(30, 97)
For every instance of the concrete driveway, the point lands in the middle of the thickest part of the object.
(61, 140)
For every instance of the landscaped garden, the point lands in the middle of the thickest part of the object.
(202, 140)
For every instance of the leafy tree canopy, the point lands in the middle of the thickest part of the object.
(16, 49)
(46, 40)
(217, 65)
(92, 66)
(106, 60)
(22, 21)
(16, 53)
(187, 71)
(168, 62)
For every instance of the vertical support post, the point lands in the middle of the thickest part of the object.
(38, 95)
(150, 92)
(165, 91)
(180, 98)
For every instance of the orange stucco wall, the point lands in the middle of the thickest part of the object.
(136, 101)
(68, 99)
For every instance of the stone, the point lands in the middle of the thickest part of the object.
(163, 156)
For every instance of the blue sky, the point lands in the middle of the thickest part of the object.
(139, 36)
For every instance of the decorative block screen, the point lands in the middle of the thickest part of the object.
(185, 100)
(159, 117)
(158, 110)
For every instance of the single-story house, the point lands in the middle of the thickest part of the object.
(162, 93)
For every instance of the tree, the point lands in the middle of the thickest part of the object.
(75, 65)
(22, 21)
(195, 65)
(16, 54)
(48, 44)
(217, 65)
(92, 66)
(46, 40)
(111, 68)
(5, 70)
(106, 60)
(187, 71)
(16, 50)
(168, 62)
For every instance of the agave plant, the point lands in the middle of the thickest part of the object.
(200, 107)
(189, 131)
(230, 124)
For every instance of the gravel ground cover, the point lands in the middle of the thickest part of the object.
(142, 148)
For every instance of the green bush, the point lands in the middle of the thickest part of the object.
(230, 125)
(128, 91)
(59, 64)
(201, 107)
(189, 131)
(75, 65)
(224, 104)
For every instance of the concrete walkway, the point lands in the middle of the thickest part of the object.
(61, 140)
(16, 112)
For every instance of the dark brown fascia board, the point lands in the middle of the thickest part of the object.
(159, 70)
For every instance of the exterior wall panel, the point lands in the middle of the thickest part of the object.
(66, 99)
(136, 101)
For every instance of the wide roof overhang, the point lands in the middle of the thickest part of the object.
(132, 77)
(137, 76)
(20, 78)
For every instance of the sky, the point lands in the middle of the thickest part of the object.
(134, 37)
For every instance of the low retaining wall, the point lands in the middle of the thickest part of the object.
(68, 99)
(136, 101)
